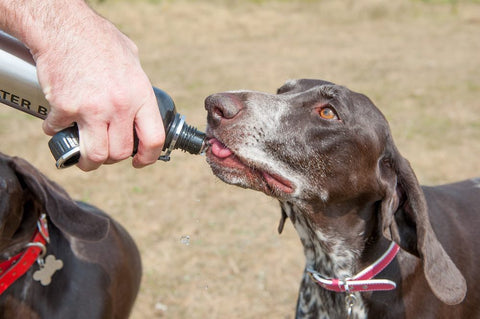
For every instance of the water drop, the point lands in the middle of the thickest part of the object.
(185, 240)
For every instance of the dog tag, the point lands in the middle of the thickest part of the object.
(45, 273)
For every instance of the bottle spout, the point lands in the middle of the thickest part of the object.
(182, 136)
(191, 140)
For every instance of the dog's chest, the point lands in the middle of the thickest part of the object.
(328, 256)
(314, 302)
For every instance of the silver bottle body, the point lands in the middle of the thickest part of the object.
(19, 87)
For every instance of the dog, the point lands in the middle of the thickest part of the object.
(60, 258)
(377, 244)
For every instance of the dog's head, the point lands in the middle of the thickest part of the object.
(322, 145)
(313, 141)
(25, 193)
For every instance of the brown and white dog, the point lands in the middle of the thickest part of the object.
(327, 154)
(74, 262)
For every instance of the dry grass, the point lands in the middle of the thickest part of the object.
(418, 61)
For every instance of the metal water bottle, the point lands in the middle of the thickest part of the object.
(19, 88)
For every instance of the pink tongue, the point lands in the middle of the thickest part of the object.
(218, 149)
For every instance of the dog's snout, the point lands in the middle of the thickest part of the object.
(222, 106)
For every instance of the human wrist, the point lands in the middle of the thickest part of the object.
(46, 24)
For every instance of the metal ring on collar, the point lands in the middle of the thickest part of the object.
(39, 245)
(43, 220)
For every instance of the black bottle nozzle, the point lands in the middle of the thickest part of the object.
(179, 135)
(65, 145)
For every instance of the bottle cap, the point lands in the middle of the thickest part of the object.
(65, 147)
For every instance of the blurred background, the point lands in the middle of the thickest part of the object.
(211, 250)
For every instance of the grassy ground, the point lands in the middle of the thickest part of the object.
(211, 250)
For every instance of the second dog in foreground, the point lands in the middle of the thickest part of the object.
(377, 244)
(60, 258)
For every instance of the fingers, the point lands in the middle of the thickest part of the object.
(108, 142)
(104, 144)
(150, 133)
(57, 121)
(120, 141)
(94, 150)
(100, 142)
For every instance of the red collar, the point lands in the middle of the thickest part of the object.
(18, 265)
(363, 280)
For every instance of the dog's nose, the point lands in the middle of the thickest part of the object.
(222, 106)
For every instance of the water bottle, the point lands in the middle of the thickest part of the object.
(19, 88)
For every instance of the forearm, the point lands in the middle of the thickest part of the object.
(41, 23)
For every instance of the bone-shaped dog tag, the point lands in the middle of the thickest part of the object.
(45, 273)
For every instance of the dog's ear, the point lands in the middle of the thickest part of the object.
(12, 201)
(301, 85)
(405, 220)
(283, 218)
(64, 212)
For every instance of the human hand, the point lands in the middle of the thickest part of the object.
(91, 74)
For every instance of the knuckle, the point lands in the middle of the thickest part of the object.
(87, 168)
(121, 99)
(147, 162)
(133, 48)
(155, 143)
(96, 157)
(119, 155)
(139, 162)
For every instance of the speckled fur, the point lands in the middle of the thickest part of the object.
(327, 255)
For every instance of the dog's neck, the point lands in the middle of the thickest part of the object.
(336, 245)
(22, 235)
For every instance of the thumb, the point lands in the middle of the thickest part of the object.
(55, 123)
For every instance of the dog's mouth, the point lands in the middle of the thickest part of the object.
(255, 176)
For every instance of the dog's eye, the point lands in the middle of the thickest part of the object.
(327, 113)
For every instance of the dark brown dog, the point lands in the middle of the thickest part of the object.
(327, 154)
(101, 270)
